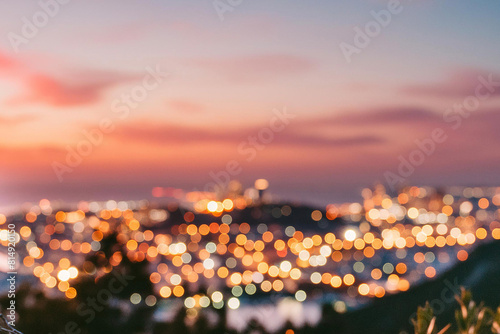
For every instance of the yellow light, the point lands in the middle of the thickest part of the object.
(483, 203)
(350, 235)
(132, 245)
(233, 303)
(217, 297)
(379, 292)
(178, 291)
(295, 274)
(25, 231)
(412, 213)
(63, 275)
(386, 203)
(376, 274)
(274, 271)
(165, 292)
(71, 293)
(212, 206)
(336, 281)
(481, 233)
(134, 224)
(266, 286)
(222, 272)
(374, 214)
(368, 237)
(51, 282)
(496, 233)
(262, 267)
(35, 252)
(316, 215)
(64, 263)
(73, 272)
(364, 289)
(261, 184)
(278, 285)
(236, 278)
(63, 286)
(241, 239)
(227, 204)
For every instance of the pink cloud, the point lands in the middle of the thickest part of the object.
(160, 151)
(458, 83)
(377, 116)
(160, 134)
(45, 89)
(6, 62)
(73, 87)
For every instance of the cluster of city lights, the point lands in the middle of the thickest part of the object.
(383, 245)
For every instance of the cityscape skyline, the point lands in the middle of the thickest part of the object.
(249, 166)
(247, 256)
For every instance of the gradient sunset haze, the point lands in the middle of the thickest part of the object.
(212, 85)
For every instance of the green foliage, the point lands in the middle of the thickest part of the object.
(425, 321)
(470, 318)
(496, 322)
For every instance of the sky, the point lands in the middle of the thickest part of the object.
(172, 92)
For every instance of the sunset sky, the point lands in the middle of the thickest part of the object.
(352, 120)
